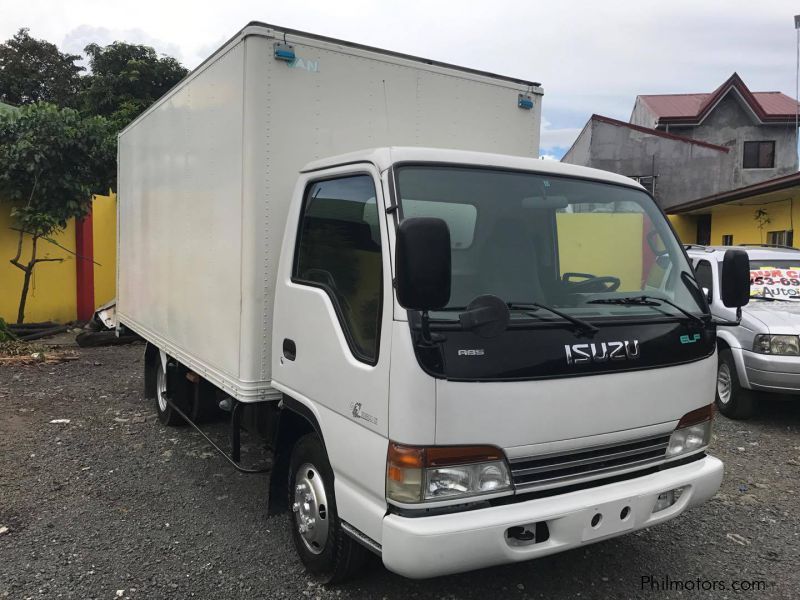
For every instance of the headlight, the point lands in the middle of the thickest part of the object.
(418, 474)
(692, 433)
(786, 345)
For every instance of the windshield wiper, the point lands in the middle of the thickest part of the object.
(582, 325)
(645, 300)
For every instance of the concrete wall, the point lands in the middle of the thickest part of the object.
(685, 226)
(642, 116)
(104, 240)
(579, 152)
(53, 292)
(731, 124)
(740, 222)
(685, 171)
(52, 295)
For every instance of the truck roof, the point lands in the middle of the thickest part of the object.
(259, 28)
(250, 28)
(383, 158)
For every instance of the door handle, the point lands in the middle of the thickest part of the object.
(289, 349)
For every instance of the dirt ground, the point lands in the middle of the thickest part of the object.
(113, 505)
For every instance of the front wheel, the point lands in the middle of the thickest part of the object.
(328, 553)
(733, 401)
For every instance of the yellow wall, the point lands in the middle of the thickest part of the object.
(104, 239)
(740, 222)
(594, 242)
(52, 293)
(686, 228)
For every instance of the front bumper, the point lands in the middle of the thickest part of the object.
(770, 373)
(439, 545)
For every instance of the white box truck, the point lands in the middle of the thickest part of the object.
(459, 355)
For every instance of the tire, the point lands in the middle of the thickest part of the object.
(155, 386)
(94, 339)
(732, 400)
(326, 551)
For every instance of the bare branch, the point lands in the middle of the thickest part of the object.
(64, 248)
(15, 261)
(38, 260)
(19, 245)
(18, 264)
(33, 189)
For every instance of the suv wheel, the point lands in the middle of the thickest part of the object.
(732, 399)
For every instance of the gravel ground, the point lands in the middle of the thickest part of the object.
(112, 504)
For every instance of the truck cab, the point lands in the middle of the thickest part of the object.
(499, 358)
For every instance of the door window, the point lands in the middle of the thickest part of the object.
(705, 277)
(339, 250)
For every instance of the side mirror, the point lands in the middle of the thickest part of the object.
(422, 263)
(735, 282)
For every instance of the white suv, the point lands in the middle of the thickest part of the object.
(762, 354)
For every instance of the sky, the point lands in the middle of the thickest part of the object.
(590, 56)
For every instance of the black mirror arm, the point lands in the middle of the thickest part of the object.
(428, 339)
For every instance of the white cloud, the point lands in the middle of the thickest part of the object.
(557, 137)
(78, 38)
(591, 57)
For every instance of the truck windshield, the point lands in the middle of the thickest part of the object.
(563, 242)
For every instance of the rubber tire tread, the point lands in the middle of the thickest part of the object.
(343, 557)
(742, 402)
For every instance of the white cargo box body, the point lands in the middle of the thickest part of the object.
(206, 176)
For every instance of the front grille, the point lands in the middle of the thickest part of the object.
(551, 470)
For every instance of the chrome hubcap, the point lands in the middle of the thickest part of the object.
(724, 383)
(161, 388)
(311, 508)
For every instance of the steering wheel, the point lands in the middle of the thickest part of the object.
(603, 283)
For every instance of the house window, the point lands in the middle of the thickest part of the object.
(727, 239)
(759, 155)
(780, 238)
(648, 182)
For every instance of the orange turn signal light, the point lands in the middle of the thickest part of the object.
(420, 457)
(699, 415)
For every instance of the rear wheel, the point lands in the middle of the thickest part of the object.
(328, 553)
(732, 399)
(157, 388)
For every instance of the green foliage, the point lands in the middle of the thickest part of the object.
(53, 159)
(125, 79)
(34, 70)
(51, 162)
(762, 218)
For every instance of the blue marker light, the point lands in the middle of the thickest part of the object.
(525, 102)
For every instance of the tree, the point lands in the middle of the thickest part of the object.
(125, 79)
(51, 162)
(34, 70)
